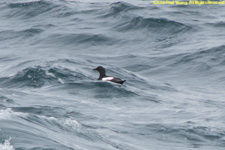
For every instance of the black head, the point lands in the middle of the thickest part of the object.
(101, 71)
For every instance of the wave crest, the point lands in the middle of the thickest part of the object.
(152, 24)
(40, 76)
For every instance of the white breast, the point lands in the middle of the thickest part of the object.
(107, 78)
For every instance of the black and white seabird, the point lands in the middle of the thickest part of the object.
(104, 77)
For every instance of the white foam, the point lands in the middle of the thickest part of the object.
(5, 114)
(68, 122)
(71, 123)
(60, 80)
(50, 74)
(9, 114)
(6, 145)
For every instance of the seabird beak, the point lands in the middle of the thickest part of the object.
(95, 69)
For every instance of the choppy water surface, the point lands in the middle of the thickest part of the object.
(172, 57)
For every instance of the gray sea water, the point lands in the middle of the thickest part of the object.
(172, 56)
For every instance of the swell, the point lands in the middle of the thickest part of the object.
(124, 19)
(203, 60)
(38, 77)
(49, 132)
(41, 110)
(41, 9)
(36, 3)
(78, 39)
(195, 135)
(154, 25)
(20, 36)
(200, 63)
(6, 100)
(99, 90)
(27, 10)
(33, 128)
(118, 8)
(220, 24)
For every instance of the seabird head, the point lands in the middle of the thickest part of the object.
(101, 71)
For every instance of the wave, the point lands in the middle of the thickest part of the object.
(5, 99)
(8, 35)
(38, 77)
(20, 35)
(75, 39)
(118, 8)
(219, 24)
(41, 110)
(198, 63)
(210, 57)
(31, 32)
(99, 89)
(33, 116)
(30, 9)
(46, 9)
(156, 25)
(33, 3)
(196, 135)
(55, 127)
(34, 128)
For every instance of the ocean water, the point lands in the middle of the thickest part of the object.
(172, 56)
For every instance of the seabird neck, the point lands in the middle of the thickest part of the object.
(102, 74)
